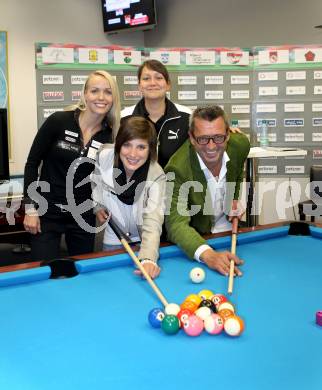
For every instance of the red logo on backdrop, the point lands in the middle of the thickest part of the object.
(273, 56)
(309, 56)
(234, 57)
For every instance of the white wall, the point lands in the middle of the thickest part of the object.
(30, 21)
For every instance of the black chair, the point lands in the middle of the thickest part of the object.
(313, 206)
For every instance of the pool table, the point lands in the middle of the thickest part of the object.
(91, 331)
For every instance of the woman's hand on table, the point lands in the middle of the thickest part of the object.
(151, 267)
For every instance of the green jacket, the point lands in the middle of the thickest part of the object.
(185, 229)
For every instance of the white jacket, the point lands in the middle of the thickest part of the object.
(148, 208)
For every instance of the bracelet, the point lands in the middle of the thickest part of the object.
(148, 261)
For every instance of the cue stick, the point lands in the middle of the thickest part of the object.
(120, 235)
(233, 251)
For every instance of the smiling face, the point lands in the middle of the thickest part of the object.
(98, 95)
(133, 155)
(153, 84)
(210, 153)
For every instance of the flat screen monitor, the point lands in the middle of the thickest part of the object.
(129, 15)
(4, 153)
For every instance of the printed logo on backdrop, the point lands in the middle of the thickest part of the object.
(239, 94)
(53, 96)
(271, 122)
(307, 55)
(266, 107)
(200, 58)
(317, 90)
(317, 75)
(296, 90)
(268, 91)
(294, 107)
(48, 111)
(166, 57)
(187, 80)
(316, 107)
(234, 58)
(240, 109)
(267, 57)
(187, 95)
(316, 121)
(58, 55)
(317, 153)
(267, 76)
(216, 80)
(130, 80)
(294, 122)
(294, 169)
(132, 95)
(91, 55)
(76, 95)
(267, 169)
(78, 79)
(294, 137)
(234, 79)
(298, 75)
(129, 57)
(316, 137)
(241, 123)
(53, 79)
(214, 95)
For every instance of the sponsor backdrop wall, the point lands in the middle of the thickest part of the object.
(281, 85)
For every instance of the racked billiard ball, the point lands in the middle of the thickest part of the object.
(234, 325)
(208, 303)
(156, 316)
(214, 324)
(170, 324)
(193, 326)
(183, 315)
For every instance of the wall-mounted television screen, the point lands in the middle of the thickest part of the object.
(128, 15)
(4, 155)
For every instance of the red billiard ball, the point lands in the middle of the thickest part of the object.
(183, 315)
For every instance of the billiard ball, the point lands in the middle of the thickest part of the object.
(234, 326)
(214, 324)
(172, 308)
(205, 294)
(194, 298)
(203, 312)
(170, 324)
(189, 305)
(183, 315)
(225, 314)
(197, 275)
(193, 326)
(208, 303)
(156, 315)
(226, 305)
(217, 299)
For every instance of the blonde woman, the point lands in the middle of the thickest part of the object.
(71, 137)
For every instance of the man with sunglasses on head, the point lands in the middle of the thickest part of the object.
(203, 189)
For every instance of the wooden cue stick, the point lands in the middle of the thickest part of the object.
(233, 251)
(120, 235)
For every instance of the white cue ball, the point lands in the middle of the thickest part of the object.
(172, 308)
(197, 275)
